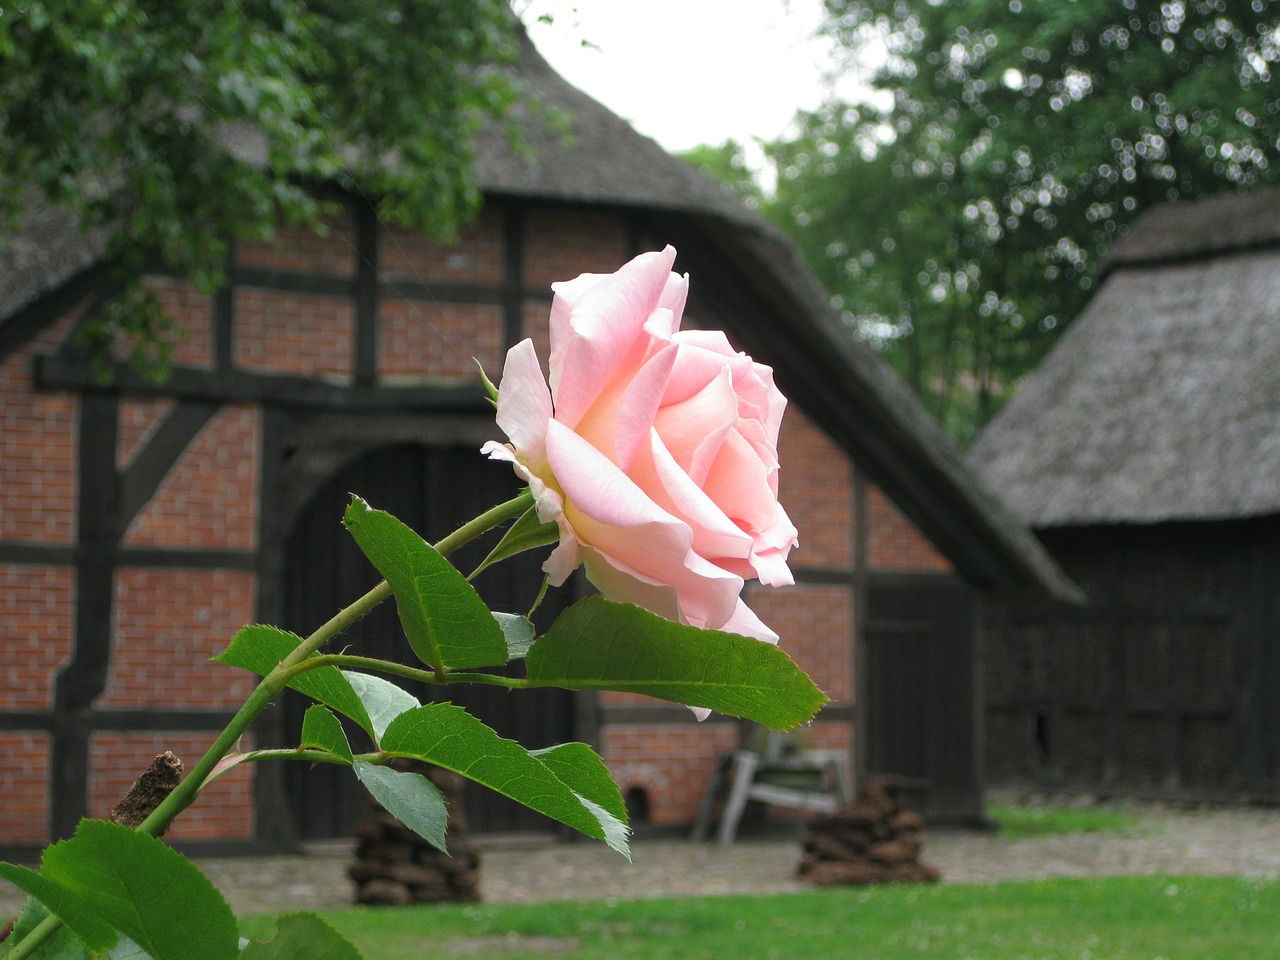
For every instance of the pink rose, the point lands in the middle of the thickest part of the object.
(654, 450)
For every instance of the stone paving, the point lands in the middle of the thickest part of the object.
(1239, 841)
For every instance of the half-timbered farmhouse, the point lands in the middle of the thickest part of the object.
(142, 524)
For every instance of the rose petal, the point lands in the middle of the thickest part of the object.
(694, 429)
(715, 536)
(739, 483)
(624, 585)
(524, 404)
(771, 568)
(619, 422)
(603, 327)
(746, 623)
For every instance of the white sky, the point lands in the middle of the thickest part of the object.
(687, 72)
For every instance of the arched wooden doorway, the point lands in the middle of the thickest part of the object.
(433, 489)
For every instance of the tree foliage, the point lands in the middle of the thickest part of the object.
(183, 127)
(959, 212)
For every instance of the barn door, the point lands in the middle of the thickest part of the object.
(433, 490)
(921, 692)
(1260, 678)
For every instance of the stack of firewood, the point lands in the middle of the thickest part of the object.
(873, 840)
(394, 866)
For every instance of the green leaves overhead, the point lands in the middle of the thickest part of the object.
(446, 622)
(958, 207)
(599, 645)
(449, 737)
(117, 116)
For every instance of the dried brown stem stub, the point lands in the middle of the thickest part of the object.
(147, 792)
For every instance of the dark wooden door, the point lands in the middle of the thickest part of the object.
(433, 490)
(1260, 679)
(921, 690)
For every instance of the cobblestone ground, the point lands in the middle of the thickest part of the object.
(1243, 842)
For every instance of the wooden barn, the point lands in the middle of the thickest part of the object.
(142, 524)
(1145, 452)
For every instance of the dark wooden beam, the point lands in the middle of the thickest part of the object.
(441, 292)
(224, 323)
(85, 677)
(21, 326)
(161, 720)
(202, 559)
(861, 659)
(37, 553)
(152, 463)
(303, 393)
(512, 276)
(366, 294)
(289, 281)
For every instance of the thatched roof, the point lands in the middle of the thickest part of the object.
(1162, 400)
(838, 381)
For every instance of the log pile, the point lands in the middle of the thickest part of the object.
(395, 867)
(872, 840)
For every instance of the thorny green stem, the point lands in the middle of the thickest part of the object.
(402, 670)
(185, 793)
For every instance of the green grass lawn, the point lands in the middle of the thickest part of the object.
(1043, 821)
(1144, 918)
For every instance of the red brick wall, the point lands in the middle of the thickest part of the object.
(37, 449)
(476, 256)
(167, 624)
(138, 420)
(673, 764)
(210, 497)
(815, 624)
(895, 543)
(815, 485)
(24, 787)
(330, 251)
(193, 339)
(560, 244)
(293, 333)
(418, 340)
(37, 609)
(225, 809)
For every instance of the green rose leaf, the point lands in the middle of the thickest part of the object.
(600, 645)
(409, 797)
(126, 949)
(65, 903)
(62, 945)
(527, 533)
(449, 737)
(444, 619)
(382, 700)
(302, 936)
(581, 769)
(321, 730)
(518, 632)
(146, 890)
(260, 648)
